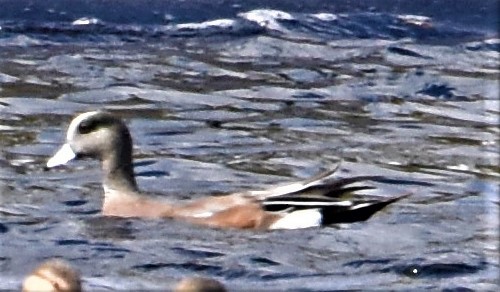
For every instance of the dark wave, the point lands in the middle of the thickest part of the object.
(469, 13)
(133, 21)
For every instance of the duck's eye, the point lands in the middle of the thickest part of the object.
(86, 127)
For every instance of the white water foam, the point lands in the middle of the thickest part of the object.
(267, 18)
(218, 23)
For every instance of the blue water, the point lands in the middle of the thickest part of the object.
(222, 96)
(134, 20)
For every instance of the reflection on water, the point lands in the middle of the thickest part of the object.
(244, 101)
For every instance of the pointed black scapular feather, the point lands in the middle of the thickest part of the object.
(358, 212)
(324, 192)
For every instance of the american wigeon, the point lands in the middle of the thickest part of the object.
(308, 203)
(56, 275)
(53, 275)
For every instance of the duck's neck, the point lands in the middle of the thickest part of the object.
(122, 197)
(118, 174)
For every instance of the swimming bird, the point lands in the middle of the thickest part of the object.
(199, 284)
(57, 275)
(307, 203)
(53, 275)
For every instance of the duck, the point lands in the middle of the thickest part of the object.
(311, 202)
(53, 275)
(199, 284)
(58, 275)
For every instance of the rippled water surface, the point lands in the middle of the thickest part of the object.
(225, 96)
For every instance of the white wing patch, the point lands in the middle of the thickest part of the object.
(299, 219)
(279, 190)
(293, 187)
(295, 203)
(203, 214)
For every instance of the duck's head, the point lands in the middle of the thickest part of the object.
(199, 284)
(53, 275)
(95, 134)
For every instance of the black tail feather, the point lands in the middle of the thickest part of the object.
(353, 214)
(338, 193)
(327, 194)
(338, 183)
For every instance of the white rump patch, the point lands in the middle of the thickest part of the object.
(299, 219)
